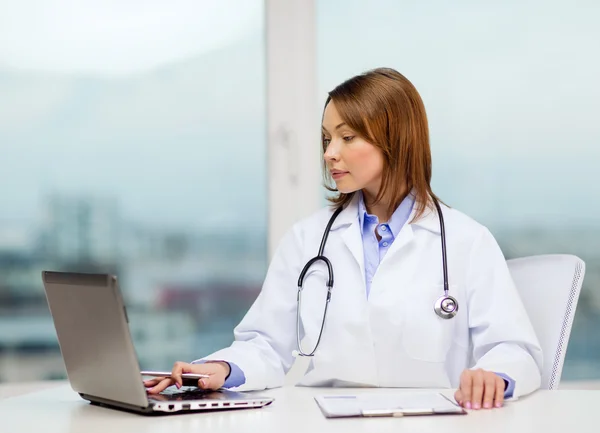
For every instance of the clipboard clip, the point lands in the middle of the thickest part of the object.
(382, 413)
(397, 413)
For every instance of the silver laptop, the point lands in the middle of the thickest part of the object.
(93, 333)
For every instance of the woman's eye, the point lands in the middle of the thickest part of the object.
(326, 141)
(348, 138)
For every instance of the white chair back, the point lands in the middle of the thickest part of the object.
(549, 286)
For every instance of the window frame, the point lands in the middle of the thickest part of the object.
(293, 154)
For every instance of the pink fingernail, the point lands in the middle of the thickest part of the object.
(498, 404)
(487, 405)
(468, 405)
(177, 385)
(475, 405)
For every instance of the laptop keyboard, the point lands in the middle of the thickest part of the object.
(187, 394)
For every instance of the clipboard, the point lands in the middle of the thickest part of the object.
(387, 405)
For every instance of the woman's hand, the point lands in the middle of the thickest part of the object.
(217, 372)
(480, 388)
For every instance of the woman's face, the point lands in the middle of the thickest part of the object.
(354, 163)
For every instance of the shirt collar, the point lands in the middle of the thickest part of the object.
(397, 220)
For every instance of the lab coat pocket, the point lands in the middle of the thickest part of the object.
(426, 336)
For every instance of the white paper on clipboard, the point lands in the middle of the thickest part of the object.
(387, 404)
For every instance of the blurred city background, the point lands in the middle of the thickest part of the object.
(132, 141)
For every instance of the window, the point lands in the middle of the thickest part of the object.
(133, 141)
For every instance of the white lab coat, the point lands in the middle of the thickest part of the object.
(392, 338)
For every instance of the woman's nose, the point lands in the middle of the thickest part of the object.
(331, 153)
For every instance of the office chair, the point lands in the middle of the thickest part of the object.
(549, 286)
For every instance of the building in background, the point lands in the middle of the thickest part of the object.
(183, 298)
(82, 230)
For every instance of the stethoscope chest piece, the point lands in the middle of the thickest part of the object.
(446, 307)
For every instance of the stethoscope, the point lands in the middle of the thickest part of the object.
(445, 307)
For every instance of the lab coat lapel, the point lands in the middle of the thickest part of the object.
(429, 221)
(405, 237)
(348, 224)
(353, 239)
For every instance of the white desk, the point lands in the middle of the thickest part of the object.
(60, 410)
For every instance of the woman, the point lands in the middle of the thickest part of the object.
(385, 247)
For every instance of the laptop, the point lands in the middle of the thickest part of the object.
(101, 363)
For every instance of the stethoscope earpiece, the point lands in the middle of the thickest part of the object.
(446, 307)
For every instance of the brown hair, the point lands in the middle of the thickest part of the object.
(384, 108)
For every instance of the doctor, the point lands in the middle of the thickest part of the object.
(385, 249)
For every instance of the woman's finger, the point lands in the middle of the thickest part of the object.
(161, 386)
(499, 399)
(477, 390)
(466, 384)
(458, 396)
(153, 382)
(178, 369)
(489, 392)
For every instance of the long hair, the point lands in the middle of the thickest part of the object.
(385, 109)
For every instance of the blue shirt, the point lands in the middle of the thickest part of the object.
(374, 251)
